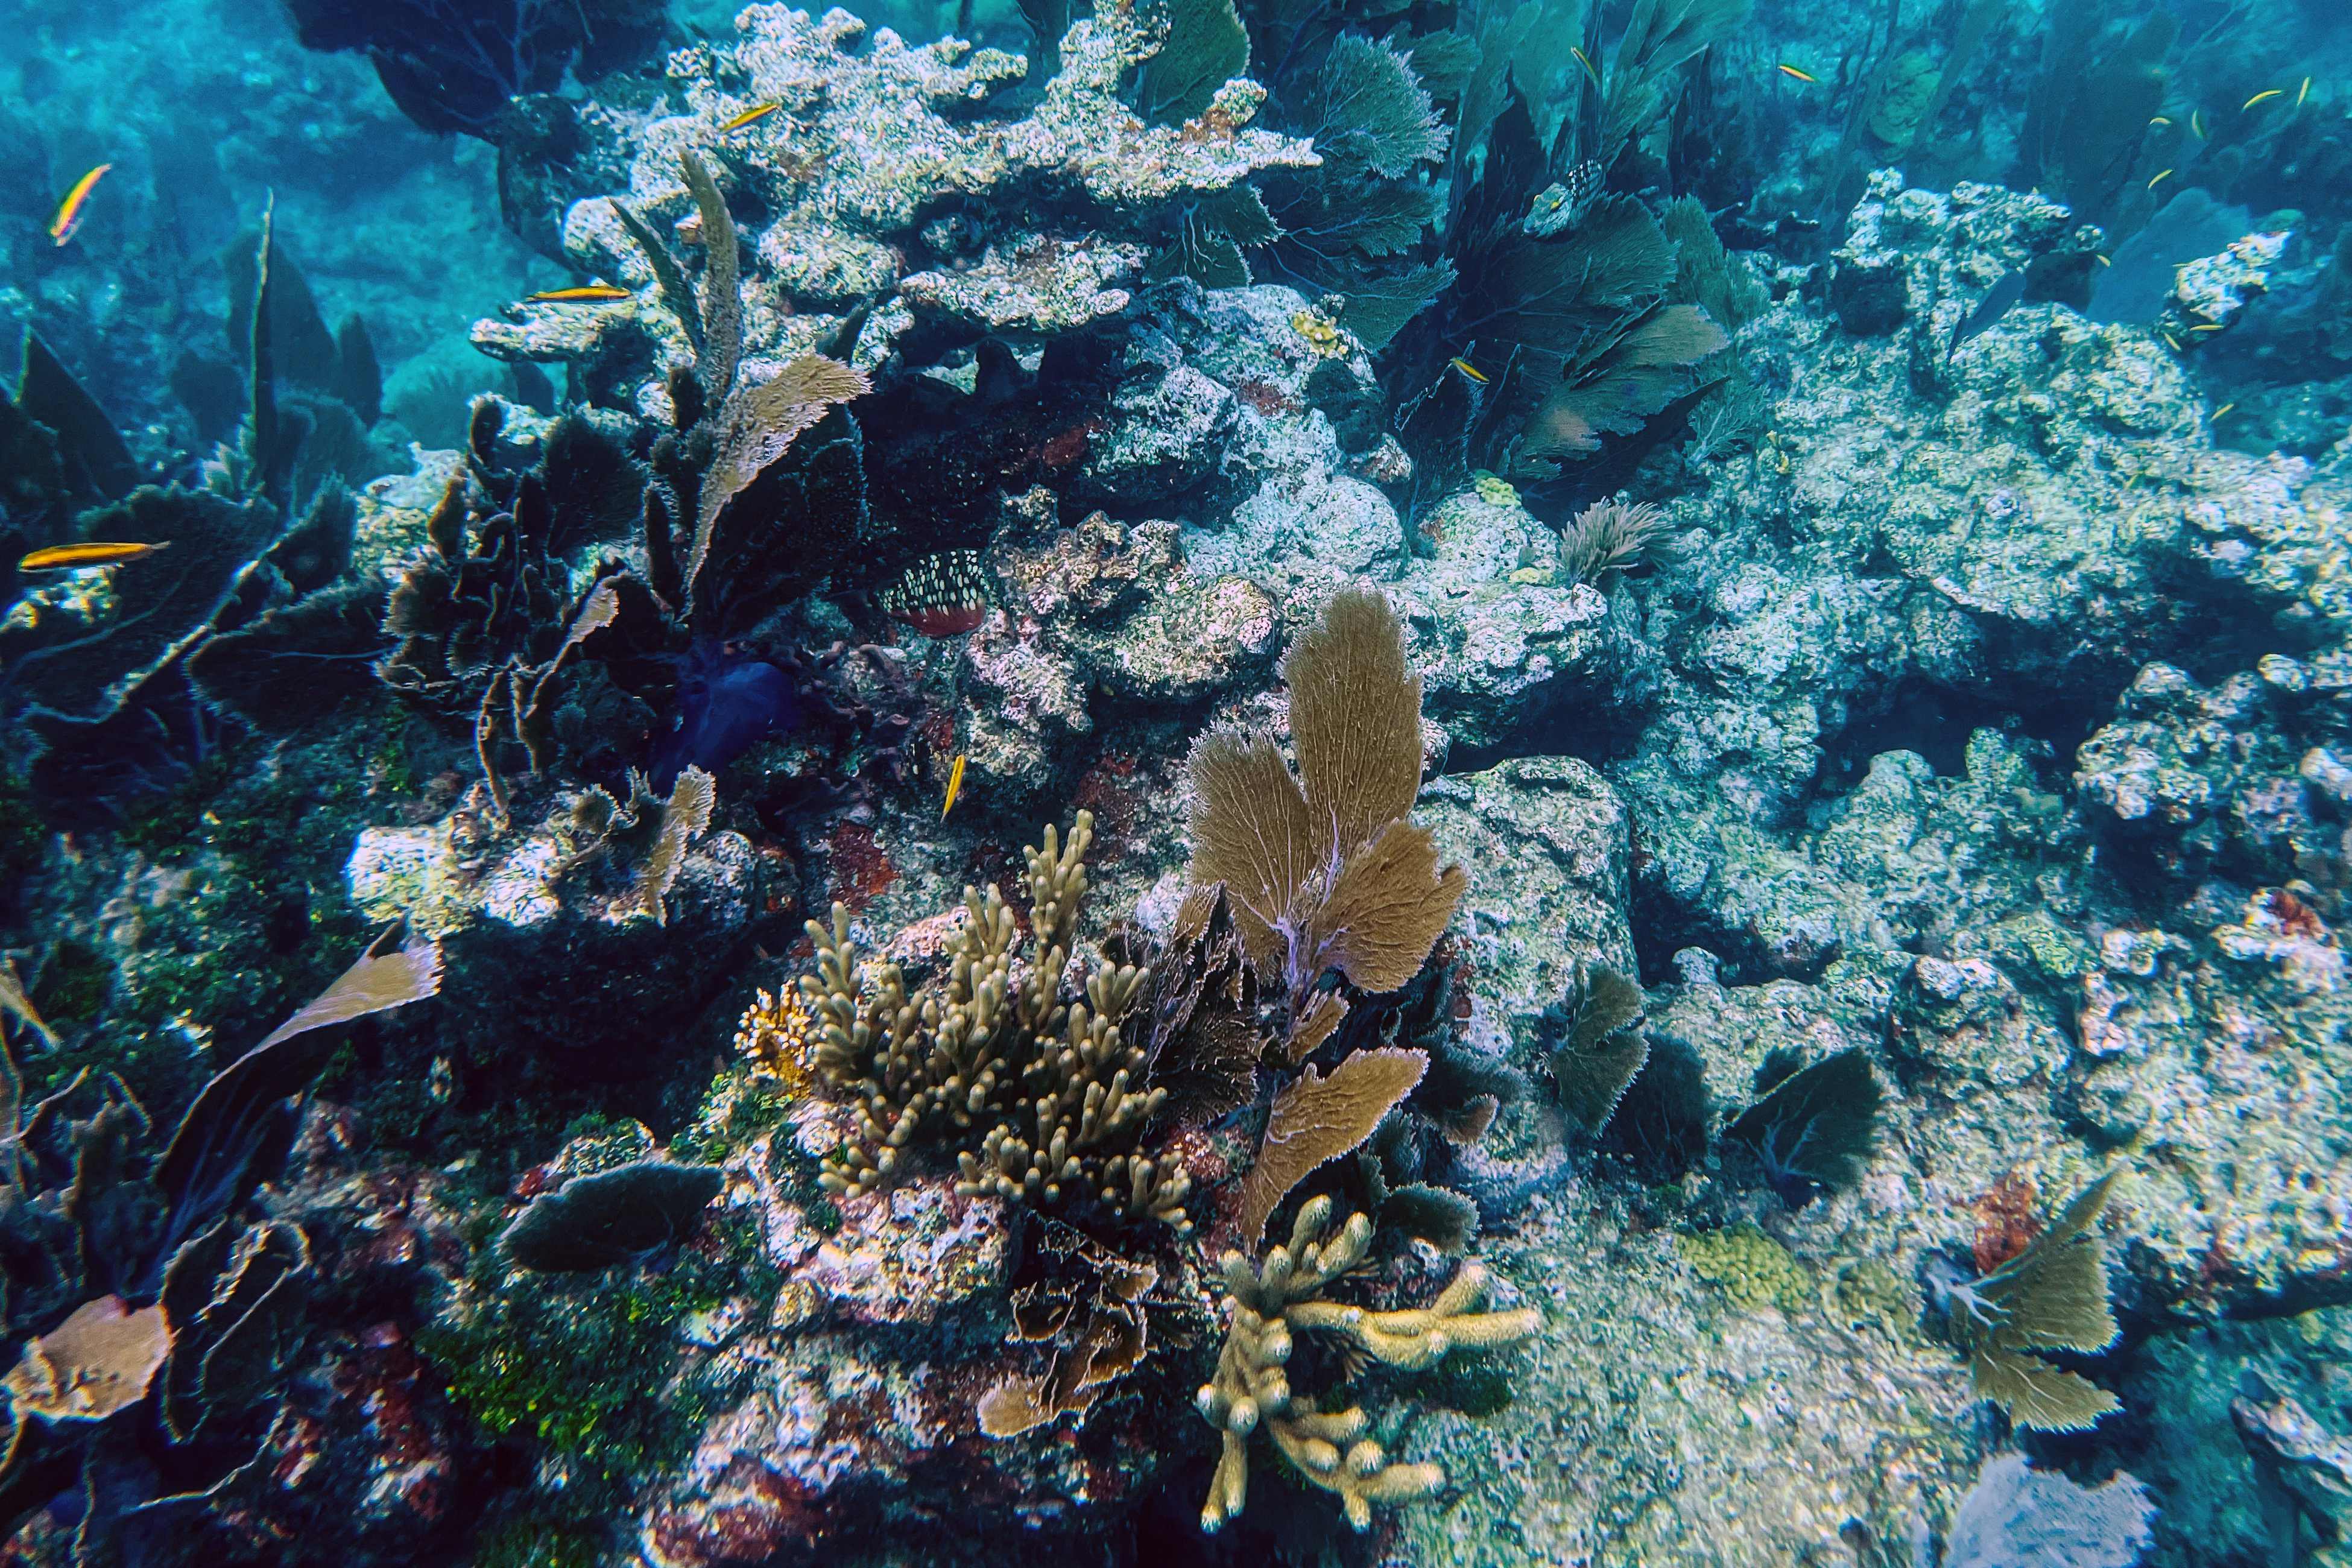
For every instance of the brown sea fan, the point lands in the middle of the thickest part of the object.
(1324, 872)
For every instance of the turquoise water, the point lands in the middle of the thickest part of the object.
(1208, 783)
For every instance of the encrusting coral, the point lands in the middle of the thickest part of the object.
(1043, 1099)
(1283, 1298)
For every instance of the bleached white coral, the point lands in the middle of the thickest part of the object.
(863, 140)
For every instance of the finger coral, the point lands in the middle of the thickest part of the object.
(1283, 1298)
(1044, 1099)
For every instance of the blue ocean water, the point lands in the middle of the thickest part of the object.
(1207, 781)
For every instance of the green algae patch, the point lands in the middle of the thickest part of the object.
(1869, 1293)
(2039, 945)
(1749, 1268)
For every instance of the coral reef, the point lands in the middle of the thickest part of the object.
(862, 144)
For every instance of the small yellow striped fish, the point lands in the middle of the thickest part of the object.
(1586, 61)
(2161, 120)
(955, 787)
(69, 218)
(751, 116)
(586, 294)
(2197, 123)
(2206, 327)
(2222, 412)
(2302, 92)
(2159, 177)
(2101, 259)
(2266, 92)
(2173, 341)
(1807, 77)
(1466, 368)
(68, 557)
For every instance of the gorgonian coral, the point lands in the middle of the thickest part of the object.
(1323, 870)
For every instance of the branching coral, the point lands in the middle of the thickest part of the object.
(865, 143)
(1283, 1298)
(1043, 1097)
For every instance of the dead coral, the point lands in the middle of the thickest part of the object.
(1042, 1098)
(1283, 1298)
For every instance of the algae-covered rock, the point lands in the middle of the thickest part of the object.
(549, 951)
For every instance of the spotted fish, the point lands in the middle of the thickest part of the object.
(941, 595)
(1561, 205)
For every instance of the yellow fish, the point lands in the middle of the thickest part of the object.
(2161, 175)
(2197, 123)
(2266, 92)
(2221, 413)
(69, 218)
(2160, 120)
(2101, 259)
(1466, 368)
(2206, 327)
(1807, 77)
(586, 294)
(1586, 61)
(751, 116)
(2302, 92)
(2173, 341)
(955, 786)
(66, 557)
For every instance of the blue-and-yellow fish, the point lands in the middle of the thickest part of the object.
(955, 786)
(751, 116)
(69, 218)
(72, 557)
(1807, 77)
(1466, 368)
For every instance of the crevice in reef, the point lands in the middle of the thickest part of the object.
(1565, 722)
(1935, 722)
